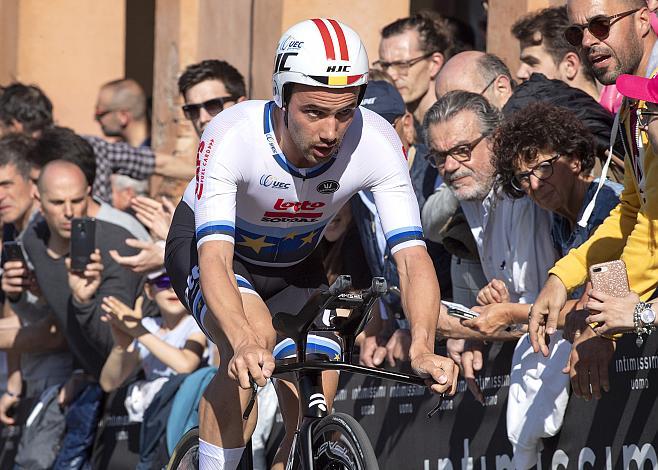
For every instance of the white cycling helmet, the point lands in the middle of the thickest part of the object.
(319, 52)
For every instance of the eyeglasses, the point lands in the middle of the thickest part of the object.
(461, 153)
(599, 26)
(101, 114)
(543, 171)
(489, 84)
(213, 107)
(401, 66)
(644, 117)
(161, 282)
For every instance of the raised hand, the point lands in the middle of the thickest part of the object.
(85, 284)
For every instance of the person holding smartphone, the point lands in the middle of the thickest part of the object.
(629, 314)
(629, 232)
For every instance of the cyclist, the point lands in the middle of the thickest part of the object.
(270, 177)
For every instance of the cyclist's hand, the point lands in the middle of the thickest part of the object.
(250, 358)
(441, 372)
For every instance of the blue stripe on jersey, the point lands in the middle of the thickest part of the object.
(412, 228)
(416, 233)
(222, 227)
(281, 159)
(243, 283)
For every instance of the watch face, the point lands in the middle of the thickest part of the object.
(648, 316)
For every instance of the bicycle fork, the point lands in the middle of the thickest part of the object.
(313, 408)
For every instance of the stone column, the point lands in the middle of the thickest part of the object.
(68, 48)
(502, 15)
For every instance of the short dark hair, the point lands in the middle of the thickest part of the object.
(61, 143)
(492, 66)
(550, 23)
(434, 31)
(14, 150)
(539, 127)
(128, 95)
(213, 70)
(26, 104)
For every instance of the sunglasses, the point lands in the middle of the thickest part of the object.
(213, 107)
(101, 114)
(161, 282)
(598, 26)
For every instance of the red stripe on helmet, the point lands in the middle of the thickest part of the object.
(326, 38)
(344, 54)
(353, 78)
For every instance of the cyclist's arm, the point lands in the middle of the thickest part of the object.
(221, 293)
(420, 295)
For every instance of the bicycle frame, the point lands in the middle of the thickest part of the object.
(309, 372)
(313, 402)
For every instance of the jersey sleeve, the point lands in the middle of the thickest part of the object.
(391, 186)
(217, 177)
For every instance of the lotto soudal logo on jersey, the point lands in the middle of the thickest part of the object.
(328, 187)
(270, 182)
(202, 156)
(289, 211)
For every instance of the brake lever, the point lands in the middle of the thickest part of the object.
(252, 399)
(437, 407)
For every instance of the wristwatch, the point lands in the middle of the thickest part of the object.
(643, 318)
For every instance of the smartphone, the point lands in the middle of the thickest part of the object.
(13, 251)
(610, 278)
(83, 242)
(459, 311)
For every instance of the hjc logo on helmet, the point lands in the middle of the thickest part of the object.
(338, 68)
(319, 52)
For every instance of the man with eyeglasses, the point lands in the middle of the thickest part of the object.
(121, 112)
(512, 236)
(412, 51)
(208, 88)
(617, 39)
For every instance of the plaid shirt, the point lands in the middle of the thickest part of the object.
(118, 157)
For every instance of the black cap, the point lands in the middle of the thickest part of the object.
(384, 99)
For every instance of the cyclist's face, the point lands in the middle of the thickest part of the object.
(318, 119)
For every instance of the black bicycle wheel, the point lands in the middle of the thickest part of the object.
(186, 453)
(340, 443)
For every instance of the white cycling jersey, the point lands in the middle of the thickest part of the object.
(247, 193)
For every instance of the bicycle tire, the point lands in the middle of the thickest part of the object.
(340, 443)
(186, 453)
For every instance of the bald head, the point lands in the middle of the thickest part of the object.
(61, 174)
(126, 95)
(476, 72)
(460, 73)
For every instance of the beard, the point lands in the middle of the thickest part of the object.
(627, 63)
(477, 190)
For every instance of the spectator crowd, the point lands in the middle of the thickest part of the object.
(524, 178)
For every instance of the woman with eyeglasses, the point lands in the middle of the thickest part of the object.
(544, 152)
(169, 344)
